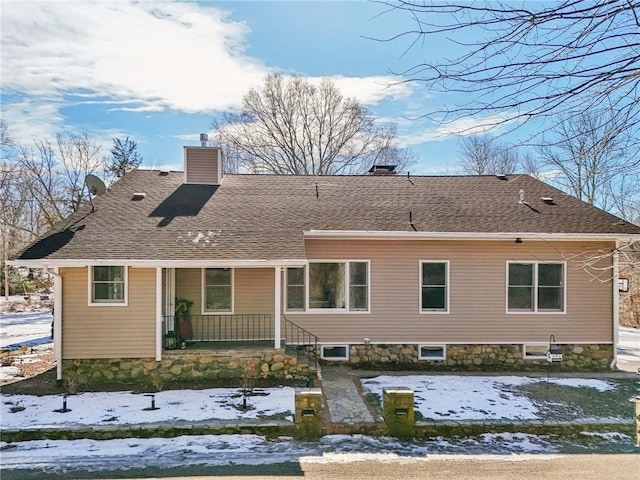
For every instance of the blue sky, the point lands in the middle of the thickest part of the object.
(160, 71)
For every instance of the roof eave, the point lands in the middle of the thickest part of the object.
(498, 236)
(157, 263)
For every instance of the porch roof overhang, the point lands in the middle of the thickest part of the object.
(50, 263)
(478, 236)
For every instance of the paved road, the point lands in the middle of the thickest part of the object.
(452, 467)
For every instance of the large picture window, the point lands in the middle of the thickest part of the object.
(434, 286)
(339, 285)
(108, 285)
(535, 287)
(218, 290)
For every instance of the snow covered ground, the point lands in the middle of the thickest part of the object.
(233, 450)
(455, 397)
(449, 398)
(28, 337)
(629, 349)
(438, 397)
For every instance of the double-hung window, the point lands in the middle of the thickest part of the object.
(535, 287)
(218, 290)
(434, 287)
(108, 285)
(329, 285)
(295, 289)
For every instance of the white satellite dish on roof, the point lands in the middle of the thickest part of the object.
(95, 185)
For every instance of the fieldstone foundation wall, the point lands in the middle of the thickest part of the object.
(185, 365)
(478, 357)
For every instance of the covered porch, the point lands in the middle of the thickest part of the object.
(227, 307)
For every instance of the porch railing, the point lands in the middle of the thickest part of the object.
(301, 341)
(249, 329)
(232, 330)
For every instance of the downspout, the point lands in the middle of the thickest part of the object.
(616, 305)
(57, 319)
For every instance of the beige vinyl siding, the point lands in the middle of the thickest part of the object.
(477, 313)
(109, 331)
(202, 165)
(253, 289)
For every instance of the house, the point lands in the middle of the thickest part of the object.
(168, 273)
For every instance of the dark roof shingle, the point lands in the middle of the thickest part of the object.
(251, 217)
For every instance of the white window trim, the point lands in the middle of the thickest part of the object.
(534, 357)
(336, 359)
(445, 311)
(535, 310)
(334, 311)
(124, 303)
(286, 291)
(438, 345)
(203, 293)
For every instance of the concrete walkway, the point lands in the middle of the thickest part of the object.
(344, 402)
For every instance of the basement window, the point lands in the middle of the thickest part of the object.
(334, 352)
(535, 351)
(432, 352)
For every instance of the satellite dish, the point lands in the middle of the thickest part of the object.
(95, 185)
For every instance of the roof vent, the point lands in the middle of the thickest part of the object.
(501, 176)
(522, 200)
(138, 196)
(383, 170)
(204, 139)
(548, 200)
(164, 173)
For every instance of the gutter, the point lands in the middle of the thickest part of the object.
(498, 236)
(158, 263)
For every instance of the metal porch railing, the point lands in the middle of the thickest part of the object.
(248, 329)
(301, 342)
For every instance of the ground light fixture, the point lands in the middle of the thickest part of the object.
(153, 402)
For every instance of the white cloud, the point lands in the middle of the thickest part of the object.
(136, 56)
(182, 56)
(370, 90)
(32, 119)
(459, 127)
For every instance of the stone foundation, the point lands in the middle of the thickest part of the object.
(185, 366)
(471, 357)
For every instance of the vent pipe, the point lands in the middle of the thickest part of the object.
(204, 139)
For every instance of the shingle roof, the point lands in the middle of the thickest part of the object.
(251, 217)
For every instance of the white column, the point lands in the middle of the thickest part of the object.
(616, 304)
(278, 306)
(57, 322)
(159, 331)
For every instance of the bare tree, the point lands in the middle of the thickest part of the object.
(482, 155)
(45, 182)
(289, 126)
(529, 60)
(590, 159)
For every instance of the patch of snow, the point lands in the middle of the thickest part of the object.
(25, 329)
(453, 397)
(127, 408)
(217, 450)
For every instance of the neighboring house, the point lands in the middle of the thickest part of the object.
(444, 272)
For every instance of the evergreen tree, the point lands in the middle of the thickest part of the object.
(125, 157)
